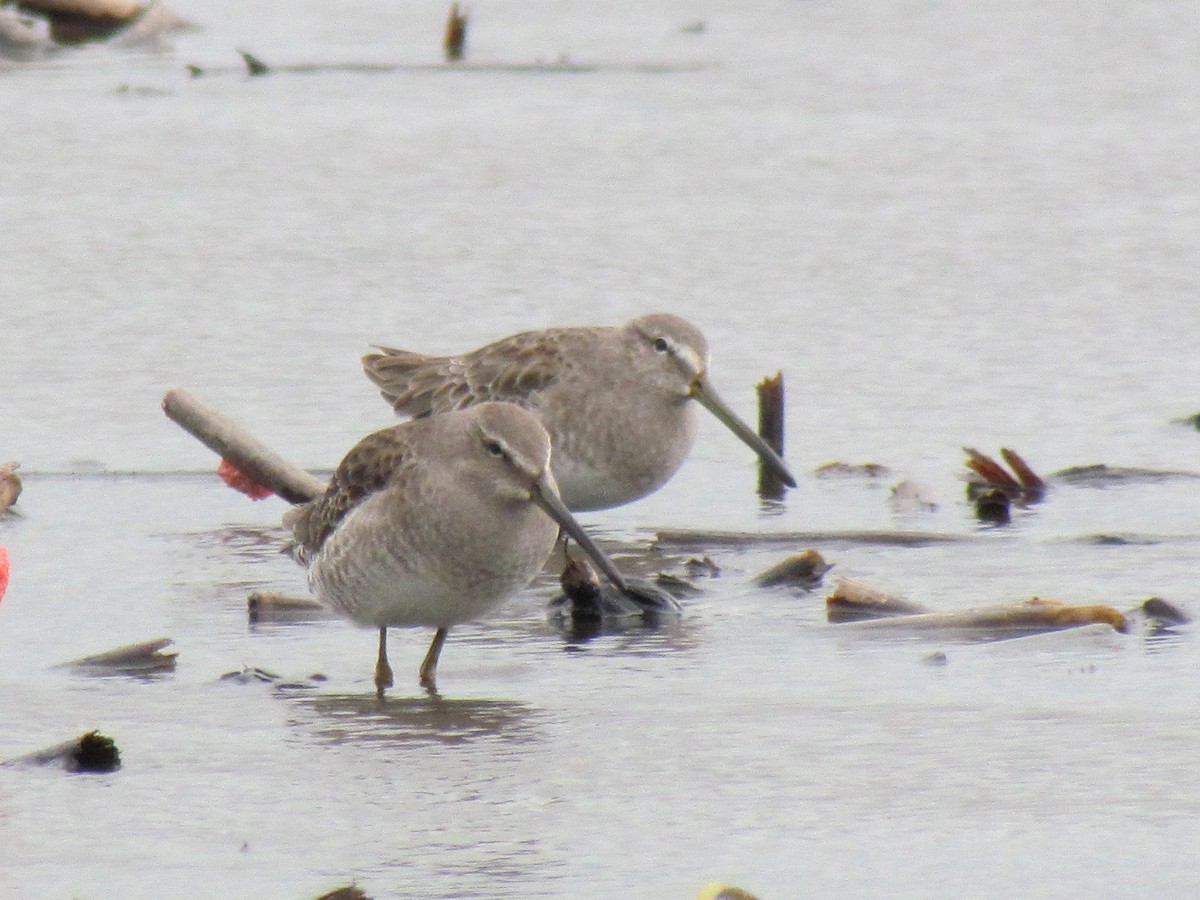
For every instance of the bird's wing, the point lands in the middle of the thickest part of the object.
(514, 369)
(369, 466)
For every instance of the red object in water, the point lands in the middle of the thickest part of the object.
(4, 568)
(240, 481)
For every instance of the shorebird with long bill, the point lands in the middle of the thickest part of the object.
(621, 403)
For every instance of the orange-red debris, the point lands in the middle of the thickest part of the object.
(240, 481)
(4, 569)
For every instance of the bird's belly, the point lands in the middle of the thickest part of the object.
(600, 468)
(375, 579)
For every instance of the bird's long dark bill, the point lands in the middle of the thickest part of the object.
(703, 393)
(546, 497)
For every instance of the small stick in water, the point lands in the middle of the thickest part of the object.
(770, 429)
(455, 39)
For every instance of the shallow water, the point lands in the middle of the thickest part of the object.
(947, 226)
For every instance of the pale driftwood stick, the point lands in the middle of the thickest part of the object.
(992, 622)
(91, 752)
(144, 656)
(231, 441)
(770, 429)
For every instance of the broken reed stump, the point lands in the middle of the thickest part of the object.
(91, 752)
(455, 39)
(232, 442)
(770, 429)
(255, 67)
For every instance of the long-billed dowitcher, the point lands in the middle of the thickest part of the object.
(434, 522)
(617, 400)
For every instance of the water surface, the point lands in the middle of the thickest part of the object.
(945, 225)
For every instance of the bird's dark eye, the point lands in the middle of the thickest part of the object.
(661, 345)
(494, 448)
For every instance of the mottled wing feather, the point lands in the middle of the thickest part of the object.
(513, 369)
(369, 466)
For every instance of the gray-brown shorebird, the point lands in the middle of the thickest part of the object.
(616, 400)
(434, 522)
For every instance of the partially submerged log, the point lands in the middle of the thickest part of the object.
(349, 892)
(142, 658)
(264, 606)
(81, 21)
(232, 442)
(91, 752)
(855, 601)
(804, 570)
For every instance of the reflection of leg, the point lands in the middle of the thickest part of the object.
(383, 672)
(429, 666)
